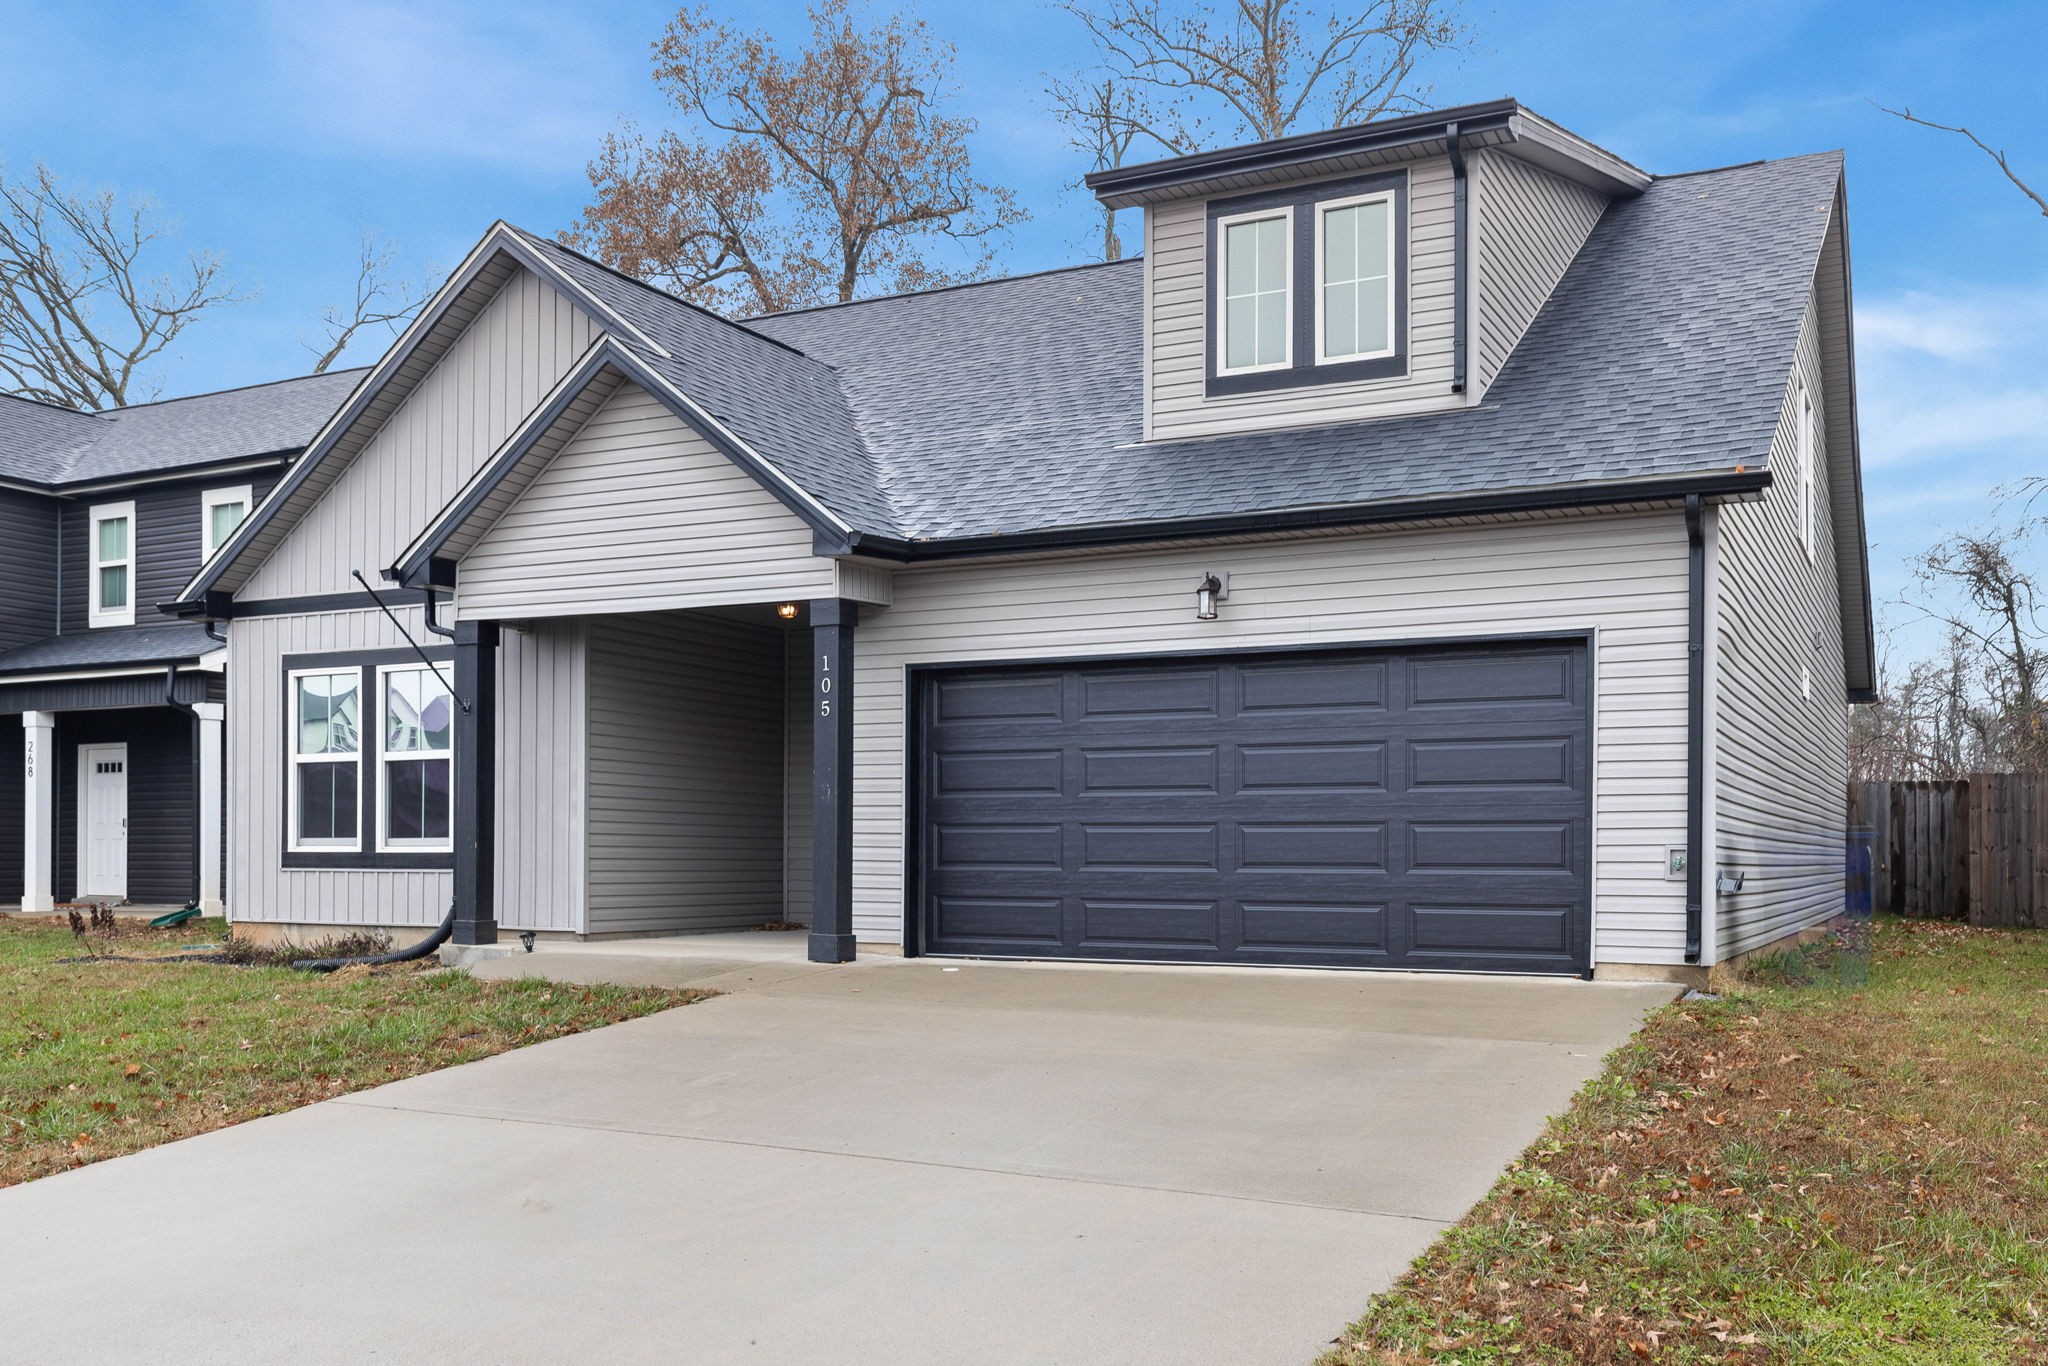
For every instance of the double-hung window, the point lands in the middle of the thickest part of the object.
(415, 759)
(1255, 284)
(1308, 285)
(111, 544)
(221, 511)
(1355, 278)
(327, 758)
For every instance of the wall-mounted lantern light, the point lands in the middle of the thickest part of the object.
(787, 611)
(1213, 589)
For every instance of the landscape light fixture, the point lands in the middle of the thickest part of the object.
(526, 940)
(787, 611)
(1212, 590)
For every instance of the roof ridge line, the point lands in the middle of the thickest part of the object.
(945, 289)
(231, 389)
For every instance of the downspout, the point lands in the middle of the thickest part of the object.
(1695, 724)
(198, 790)
(445, 632)
(1458, 255)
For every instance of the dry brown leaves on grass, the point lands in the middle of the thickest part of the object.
(1818, 1172)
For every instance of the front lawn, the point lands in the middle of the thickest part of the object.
(1815, 1170)
(102, 1058)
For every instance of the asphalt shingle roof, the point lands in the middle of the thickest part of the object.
(52, 446)
(168, 642)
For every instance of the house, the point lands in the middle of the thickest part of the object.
(1441, 550)
(102, 517)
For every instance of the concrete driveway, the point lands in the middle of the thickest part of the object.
(891, 1162)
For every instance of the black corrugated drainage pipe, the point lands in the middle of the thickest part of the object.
(419, 950)
(198, 781)
(1695, 723)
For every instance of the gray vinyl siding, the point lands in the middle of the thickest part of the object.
(685, 788)
(1177, 327)
(1781, 759)
(262, 889)
(1530, 225)
(493, 375)
(542, 711)
(167, 541)
(1622, 577)
(797, 768)
(28, 569)
(639, 513)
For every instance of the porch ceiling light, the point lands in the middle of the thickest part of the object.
(1212, 590)
(787, 611)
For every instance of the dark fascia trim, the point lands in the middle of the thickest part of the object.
(1858, 696)
(219, 606)
(318, 658)
(239, 464)
(608, 353)
(502, 239)
(1855, 439)
(1128, 185)
(42, 671)
(1562, 498)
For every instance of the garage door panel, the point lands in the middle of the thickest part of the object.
(1357, 807)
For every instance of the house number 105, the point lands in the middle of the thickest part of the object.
(824, 685)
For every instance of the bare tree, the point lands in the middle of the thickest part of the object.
(381, 300)
(1204, 74)
(1103, 120)
(1997, 155)
(81, 314)
(831, 171)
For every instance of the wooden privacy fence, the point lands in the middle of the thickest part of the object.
(1972, 849)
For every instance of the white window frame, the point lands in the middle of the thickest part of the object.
(97, 615)
(385, 844)
(294, 760)
(1285, 214)
(1806, 444)
(211, 499)
(1393, 302)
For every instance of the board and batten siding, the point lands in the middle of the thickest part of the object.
(1781, 757)
(638, 513)
(539, 758)
(685, 786)
(1622, 577)
(1177, 326)
(494, 374)
(1530, 225)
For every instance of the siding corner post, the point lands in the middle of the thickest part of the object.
(832, 624)
(212, 718)
(476, 783)
(39, 828)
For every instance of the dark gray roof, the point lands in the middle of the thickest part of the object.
(170, 642)
(55, 446)
(1014, 406)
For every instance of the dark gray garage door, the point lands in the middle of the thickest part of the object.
(1405, 809)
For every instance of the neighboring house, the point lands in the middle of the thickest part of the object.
(1443, 549)
(102, 517)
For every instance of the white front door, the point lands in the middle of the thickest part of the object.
(103, 821)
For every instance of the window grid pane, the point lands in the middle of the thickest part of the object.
(113, 587)
(1255, 293)
(1356, 288)
(113, 538)
(329, 714)
(327, 802)
(222, 520)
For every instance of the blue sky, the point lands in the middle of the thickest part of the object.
(276, 132)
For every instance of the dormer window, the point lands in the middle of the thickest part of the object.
(1308, 285)
(221, 511)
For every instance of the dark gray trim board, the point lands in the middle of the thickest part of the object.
(1303, 371)
(96, 694)
(1695, 726)
(832, 630)
(475, 784)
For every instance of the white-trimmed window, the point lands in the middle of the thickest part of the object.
(111, 545)
(1809, 513)
(415, 759)
(1255, 281)
(221, 511)
(1355, 278)
(327, 757)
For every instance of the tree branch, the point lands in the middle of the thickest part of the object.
(1906, 113)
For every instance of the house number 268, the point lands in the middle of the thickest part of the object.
(824, 685)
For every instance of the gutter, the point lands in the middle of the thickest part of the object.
(1695, 725)
(1460, 250)
(1720, 484)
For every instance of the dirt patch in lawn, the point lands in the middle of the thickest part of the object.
(1828, 1166)
(123, 1047)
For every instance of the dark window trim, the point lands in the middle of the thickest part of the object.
(1303, 371)
(366, 855)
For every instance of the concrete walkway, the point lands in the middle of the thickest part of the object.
(891, 1162)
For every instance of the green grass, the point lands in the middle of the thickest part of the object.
(105, 1057)
(1845, 1162)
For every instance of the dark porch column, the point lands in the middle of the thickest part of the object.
(832, 623)
(476, 782)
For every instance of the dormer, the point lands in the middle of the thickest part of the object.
(1382, 270)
